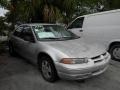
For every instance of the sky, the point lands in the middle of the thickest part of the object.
(2, 11)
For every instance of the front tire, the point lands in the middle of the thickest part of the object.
(48, 69)
(115, 52)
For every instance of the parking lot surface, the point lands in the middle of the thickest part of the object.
(17, 74)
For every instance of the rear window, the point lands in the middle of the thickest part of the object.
(18, 31)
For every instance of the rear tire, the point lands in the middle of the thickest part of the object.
(115, 52)
(11, 50)
(47, 69)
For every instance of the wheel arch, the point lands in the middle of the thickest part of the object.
(113, 43)
(40, 54)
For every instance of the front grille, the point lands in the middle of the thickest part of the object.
(95, 57)
(98, 59)
(104, 54)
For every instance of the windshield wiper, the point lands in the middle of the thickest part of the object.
(71, 37)
(59, 38)
(50, 38)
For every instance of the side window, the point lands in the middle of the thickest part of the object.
(18, 31)
(78, 23)
(27, 32)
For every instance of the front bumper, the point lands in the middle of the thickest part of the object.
(82, 71)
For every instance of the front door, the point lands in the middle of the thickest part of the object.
(28, 44)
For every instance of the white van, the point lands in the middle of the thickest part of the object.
(101, 27)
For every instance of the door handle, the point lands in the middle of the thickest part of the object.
(81, 30)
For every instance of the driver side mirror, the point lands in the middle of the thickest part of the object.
(29, 38)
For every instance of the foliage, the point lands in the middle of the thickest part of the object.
(3, 25)
(113, 4)
(3, 3)
(40, 10)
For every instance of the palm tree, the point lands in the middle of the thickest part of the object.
(41, 10)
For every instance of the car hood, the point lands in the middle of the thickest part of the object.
(77, 48)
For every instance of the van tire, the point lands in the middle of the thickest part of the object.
(115, 52)
(52, 76)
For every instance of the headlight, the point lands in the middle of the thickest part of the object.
(74, 60)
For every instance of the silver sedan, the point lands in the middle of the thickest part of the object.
(57, 52)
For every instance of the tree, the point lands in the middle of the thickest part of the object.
(41, 10)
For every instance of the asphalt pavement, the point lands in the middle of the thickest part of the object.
(17, 74)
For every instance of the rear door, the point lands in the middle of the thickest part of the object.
(16, 39)
(76, 26)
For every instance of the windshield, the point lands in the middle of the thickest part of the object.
(53, 32)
